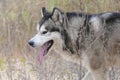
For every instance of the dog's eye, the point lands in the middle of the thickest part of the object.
(44, 32)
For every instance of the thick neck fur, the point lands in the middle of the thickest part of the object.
(73, 25)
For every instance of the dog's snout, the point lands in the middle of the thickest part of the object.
(31, 43)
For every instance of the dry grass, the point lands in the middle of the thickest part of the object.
(18, 19)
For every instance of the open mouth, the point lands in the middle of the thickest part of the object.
(44, 49)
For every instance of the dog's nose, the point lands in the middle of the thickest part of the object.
(31, 43)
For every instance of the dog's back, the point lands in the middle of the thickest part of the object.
(105, 49)
(111, 37)
(113, 32)
(101, 46)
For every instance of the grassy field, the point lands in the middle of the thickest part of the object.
(18, 19)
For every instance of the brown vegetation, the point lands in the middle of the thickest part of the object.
(18, 19)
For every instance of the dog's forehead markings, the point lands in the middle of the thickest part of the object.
(42, 28)
(38, 27)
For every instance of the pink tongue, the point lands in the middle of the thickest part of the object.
(42, 52)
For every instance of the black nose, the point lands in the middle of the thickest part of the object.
(31, 43)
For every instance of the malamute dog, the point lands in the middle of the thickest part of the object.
(92, 40)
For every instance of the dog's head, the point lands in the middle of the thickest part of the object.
(49, 32)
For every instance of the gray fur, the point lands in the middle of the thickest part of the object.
(92, 40)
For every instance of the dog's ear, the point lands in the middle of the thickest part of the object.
(57, 15)
(44, 11)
